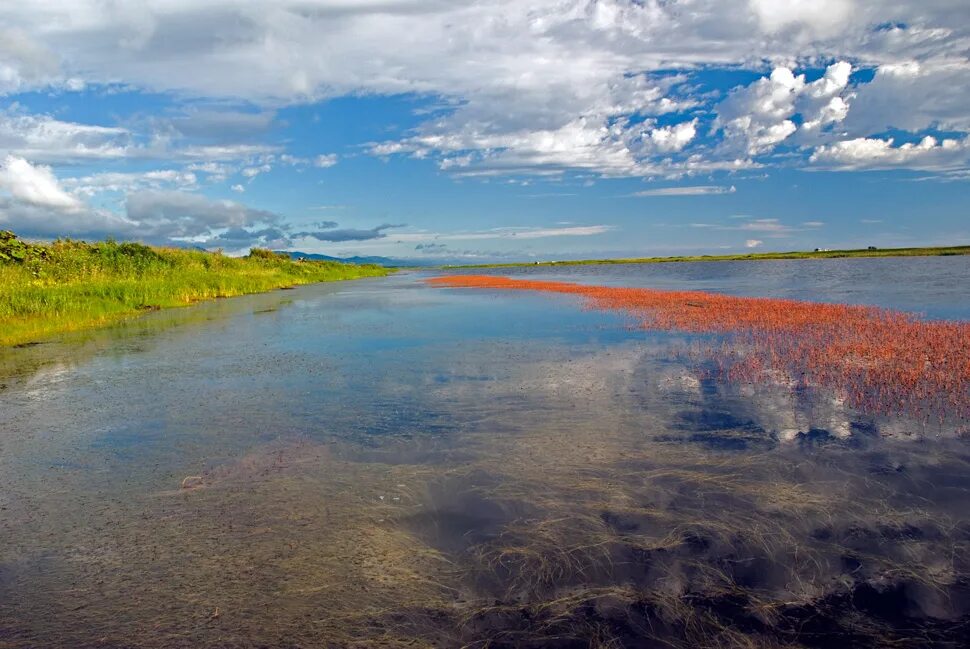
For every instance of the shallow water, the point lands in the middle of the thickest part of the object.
(933, 286)
(387, 464)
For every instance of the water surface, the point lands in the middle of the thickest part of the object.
(388, 464)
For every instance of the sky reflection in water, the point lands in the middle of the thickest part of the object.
(386, 462)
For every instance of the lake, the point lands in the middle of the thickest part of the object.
(388, 463)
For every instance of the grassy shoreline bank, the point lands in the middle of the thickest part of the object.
(763, 256)
(48, 289)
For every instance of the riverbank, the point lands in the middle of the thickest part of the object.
(815, 254)
(47, 289)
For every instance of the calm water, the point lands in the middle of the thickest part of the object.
(388, 464)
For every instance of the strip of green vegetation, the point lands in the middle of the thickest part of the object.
(816, 254)
(69, 285)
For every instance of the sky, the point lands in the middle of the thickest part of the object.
(488, 130)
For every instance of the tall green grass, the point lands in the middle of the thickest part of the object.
(69, 285)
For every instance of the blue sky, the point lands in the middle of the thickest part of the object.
(487, 130)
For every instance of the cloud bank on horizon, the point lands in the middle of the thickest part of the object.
(219, 123)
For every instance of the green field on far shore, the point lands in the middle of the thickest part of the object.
(815, 254)
(46, 289)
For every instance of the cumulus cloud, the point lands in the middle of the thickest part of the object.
(758, 117)
(34, 185)
(33, 203)
(669, 139)
(325, 160)
(874, 153)
(293, 50)
(175, 215)
(47, 223)
(753, 243)
(821, 102)
(628, 102)
(912, 96)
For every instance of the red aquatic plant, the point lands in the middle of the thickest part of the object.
(879, 360)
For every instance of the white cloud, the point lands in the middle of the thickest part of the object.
(772, 228)
(221, 153)
(538, 87)
(37, 205)
(507, 233)
(34, 185)
(165, 215)
(82, 222)
(541, 233)
(335, 235)
(238, 189)
(34, 203)
(758, 117)
(215, 171)
(914, 95)
(821, 102)
(325, 160)
(24, 63)
(874, 153)
(755, 118)
(252, 172)
(42, 138)
(694, 190)
(129, 181)
(292, 49)
(673, 138)
(823, 15)
(768, 226)
(753, 243)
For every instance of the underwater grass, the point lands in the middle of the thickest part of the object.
(573, 532)
(564, 516)
(877, 360)
(70, 285)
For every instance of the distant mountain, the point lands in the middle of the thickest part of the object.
(380, 261)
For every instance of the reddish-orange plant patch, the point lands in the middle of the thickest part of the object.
(880, 361)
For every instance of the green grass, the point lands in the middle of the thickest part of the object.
(70, 285)
(824, 254)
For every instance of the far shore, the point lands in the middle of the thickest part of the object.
(947, 251)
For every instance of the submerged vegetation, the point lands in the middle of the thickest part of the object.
(947, 251)
(514, 493)
(68, 285)
(880, 361)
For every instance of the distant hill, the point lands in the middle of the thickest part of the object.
(380, 261)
